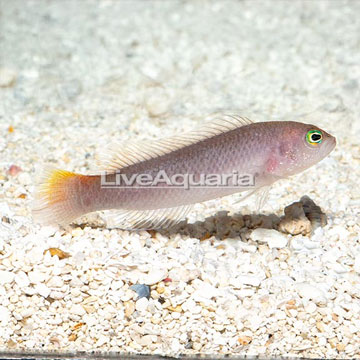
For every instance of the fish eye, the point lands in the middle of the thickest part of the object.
(314, 137)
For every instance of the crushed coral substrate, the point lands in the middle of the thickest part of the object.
(230, 279)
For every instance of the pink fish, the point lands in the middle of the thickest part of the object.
(153, 184)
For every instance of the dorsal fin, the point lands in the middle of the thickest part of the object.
(119, 156)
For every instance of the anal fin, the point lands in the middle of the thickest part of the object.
(146, 219)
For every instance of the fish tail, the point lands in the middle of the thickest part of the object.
(56, 200)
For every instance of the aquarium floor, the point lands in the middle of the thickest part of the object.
(76, 77)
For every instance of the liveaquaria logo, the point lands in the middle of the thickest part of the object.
(187, 181)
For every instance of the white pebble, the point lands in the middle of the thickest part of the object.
(25, 313)
(101, 341)
(189, 305)
(36, 276)
(204, 290)
(129, 294)
(219, 339)
(310, 307)
(175, 315)
(155, 276)
(24, 178)
(255, 322)
(280, 315)
(308, 292)
(55, 282)
(142, 304)
(274, 238)
(157, 102)
(29, 290)
(339, 232)
(339, 310)
(57, 295)
(77, 309)
(146, 340)
(6, 277)
(42, 290)
(339, 268)
(4, 315)
(310, 245)
(175, 345)
(297, 242)
(22, 280)
(5, 209)
(47, 231)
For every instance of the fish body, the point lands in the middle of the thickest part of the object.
(259, 153)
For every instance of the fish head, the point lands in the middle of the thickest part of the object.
(299, 147)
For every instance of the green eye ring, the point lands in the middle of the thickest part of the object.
(314, 137)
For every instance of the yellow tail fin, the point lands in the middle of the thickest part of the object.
(54, 198)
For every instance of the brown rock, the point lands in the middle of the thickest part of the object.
(295, 222)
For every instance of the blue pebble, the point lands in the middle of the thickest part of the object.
(142, 290)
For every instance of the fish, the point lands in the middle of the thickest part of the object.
(154, 183)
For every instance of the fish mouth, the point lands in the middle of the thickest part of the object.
(333, 143)
(330, 145)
